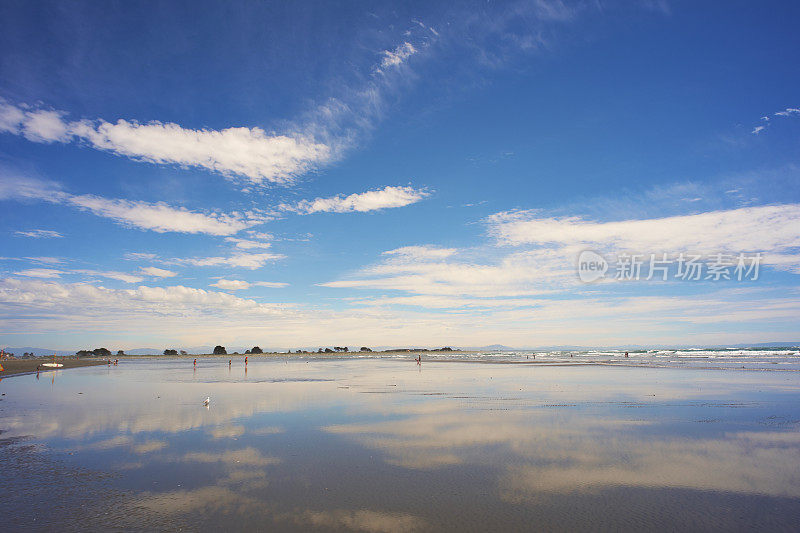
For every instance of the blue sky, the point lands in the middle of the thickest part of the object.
(373, 174)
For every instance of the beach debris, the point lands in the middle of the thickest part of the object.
(207, 401)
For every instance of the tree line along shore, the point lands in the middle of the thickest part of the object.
(105, 353)
(221, 350)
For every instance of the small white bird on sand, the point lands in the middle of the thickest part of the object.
(207, 401)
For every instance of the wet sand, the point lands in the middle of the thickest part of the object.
(383, 444)
(27, 366)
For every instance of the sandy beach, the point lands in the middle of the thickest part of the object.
(381, 443)
(26, 366)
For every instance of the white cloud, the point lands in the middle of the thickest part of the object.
(248, 244)
(240, 260)
(39, 234)
(45, 126)
(158, 217)
(520, 273)
(789, 111)
(186, 316)
(40, 273)
(11, 117)
(315, 138)
(361, 520)
(271, 284)
(157, 272)
(771, 229)
(140, 256)
(360, 202)
(103, 302)
(260, 235)
(248, 457)
(36, 259)
(46, 260)
(394, 58)
(421, 253)
(110, 274)
(231, 284)
(547, 248)
(249, 152)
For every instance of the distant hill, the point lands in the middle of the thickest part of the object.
(37, 351)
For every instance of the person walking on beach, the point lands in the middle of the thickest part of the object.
(245, 360)
(229, 362)
(195, 362)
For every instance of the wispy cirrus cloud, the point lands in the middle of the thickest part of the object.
(111, 274)
(788, 112)
(385, 198)
(444, 273)
(420, 253)
(40, 273)
(766, 120)
(771, 229)
(46, 260)
(52, 273)
(545, 249)
(262, 154)
(271, 284)
(157, 272)
(396, 57)
(249, 244)
(39, 234)
(237, 260)
(252, 153)
(159, 217)
(140, 256)
(239, 285)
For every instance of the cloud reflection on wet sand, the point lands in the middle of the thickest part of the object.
(386, 446)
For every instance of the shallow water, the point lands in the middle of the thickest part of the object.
(382, 444)
(772, 359)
